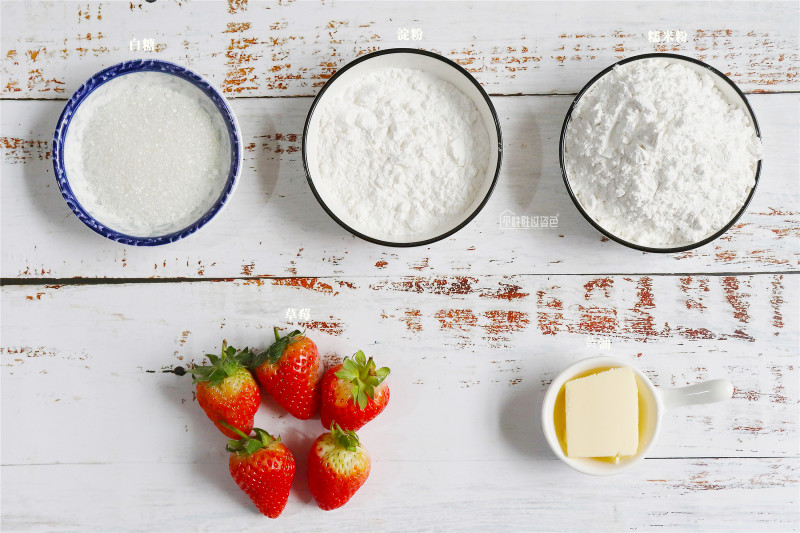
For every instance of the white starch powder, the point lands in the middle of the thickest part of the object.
(657, 155)
(147, 154)
(402, 153)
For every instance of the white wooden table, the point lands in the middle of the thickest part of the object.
(96, 437)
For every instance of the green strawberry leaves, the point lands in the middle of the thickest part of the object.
(344, 439)
(381, 373)
(360, 358)
(248, 445)
(361, 372)
(222, 366)
(274, 352)
(230, 360)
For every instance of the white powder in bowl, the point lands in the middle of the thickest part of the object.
(147, 154)
(657, 155)
(401, 154)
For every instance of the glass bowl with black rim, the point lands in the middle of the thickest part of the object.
(731, 93)
(401, 58)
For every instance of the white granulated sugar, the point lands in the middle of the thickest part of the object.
(402, 154)
(658, 156)
(147, 154)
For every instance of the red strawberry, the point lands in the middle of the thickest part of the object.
(227, 391)
(263, 468)
(353, 393)
(289, 371)
(338, 465)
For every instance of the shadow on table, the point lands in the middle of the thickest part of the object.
(42, 187)
(210, 461)
(264, 158)
(523, 156)
(298, 437)
(521, 420)
(280, 169)
(299, 442)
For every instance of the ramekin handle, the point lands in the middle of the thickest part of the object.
(711, 391)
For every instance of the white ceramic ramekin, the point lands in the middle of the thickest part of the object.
(656, 401)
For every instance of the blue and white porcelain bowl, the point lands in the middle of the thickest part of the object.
(72, 183)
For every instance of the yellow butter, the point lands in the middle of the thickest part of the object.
(602, 414)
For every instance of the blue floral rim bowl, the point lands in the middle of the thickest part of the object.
(111, 73)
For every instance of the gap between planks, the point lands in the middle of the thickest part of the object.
(528, 460)
(11, 282)
(493, 95)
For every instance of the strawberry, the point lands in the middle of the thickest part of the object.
(289, 371)
(353, 392)
(263, 468)
(227, 391)
(338, 465)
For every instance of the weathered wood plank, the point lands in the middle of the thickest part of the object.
(274, 226)
(95, 437)
(426, 495)
(252, 48)
(469, 356)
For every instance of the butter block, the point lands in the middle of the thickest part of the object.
(602, 412)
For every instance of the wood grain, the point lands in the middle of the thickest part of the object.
(96, 437)
(414, 496)
(471, 360)
(273, 226)
(470, 356)
(290, 49)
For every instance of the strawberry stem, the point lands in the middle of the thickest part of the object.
(222, 366)
(248, 445)
(361, 372)
(344, 439)
(235, 429)
(275, 351)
